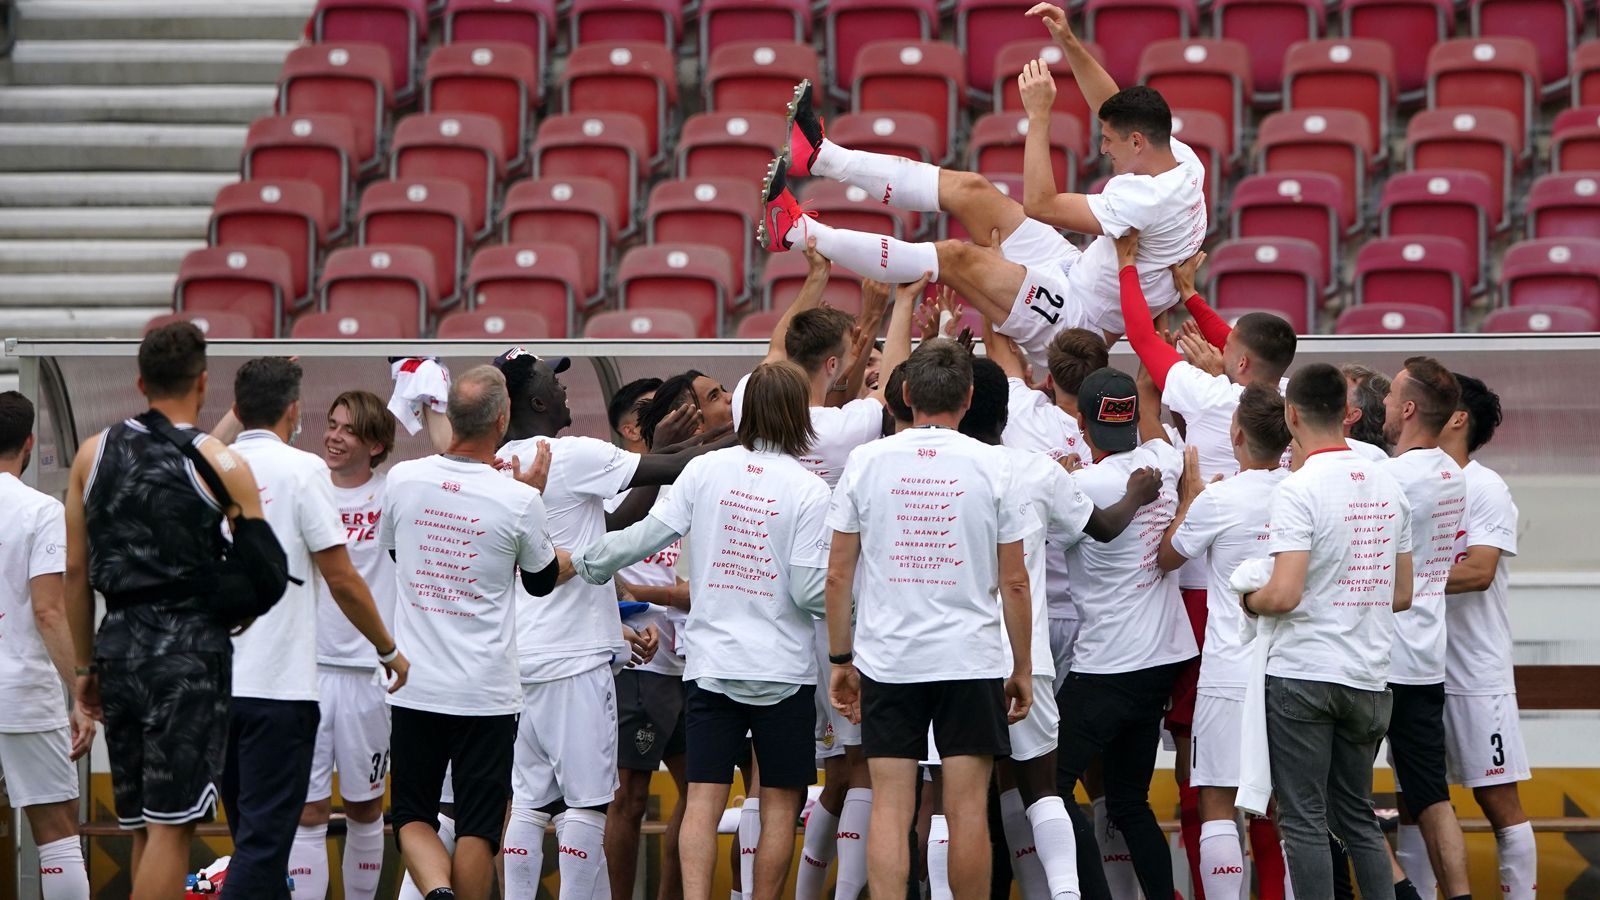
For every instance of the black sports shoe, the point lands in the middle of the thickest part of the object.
(805, 131)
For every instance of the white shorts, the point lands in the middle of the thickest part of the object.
(1214, 741)
(1483, 741)
(1037, 734)
(352, 737)
(567, 742)
(36, 767)
(833, 731)
(1063, 638)
(1042, 308)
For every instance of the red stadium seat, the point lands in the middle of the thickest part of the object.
(490, 78)
(758, 76)
(356, 324)
(530, 23)
(494, 324)
(1446, 202)
(1552, 272)
(738, 145)
(392, 279)
(431, 213)
(1123, 28)
(1357, 74)
(925, 77)
(1409, 27)
(1483, 140)
(400, 27)
(724, 22)
(759, 324)
(460, 146)
(1575, 140)
(909, 134)
(348, 80)
(1305, 205)
(288, 215)
(1586, 74)
(642, 324)
(995, 145)
(1565, 205)
(1432, 272)
(983, 28)
(1268, 28)
(715, 211)
(1393, 318)
(1552, 25)
(633, 78)
(214, 324)
(612, 21)
(319, 148)
(252, 283)
(1278, 275)
(609, 147)
(1202, 74)
(1523, 319)
(849, 25)
(786, 272)
(1207, 135)
(1069, 100)
(847, 206)
(1337, 142)
(574, 211)
(1497, 73)
(536, 278)
(1233, 314)
(696, 279)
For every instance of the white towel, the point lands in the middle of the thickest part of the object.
(418, 381)
(1255, 767)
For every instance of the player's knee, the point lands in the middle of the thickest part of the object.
(317, 812)
(364, 810)
(53, 821)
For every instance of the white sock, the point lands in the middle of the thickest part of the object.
(523, 852)
(892, 180)
(62, 875)
(1058, 850)
(363, 859)
(308, 862)
(852, 836)
(1221, 860)
(1114, 855)
(749, 838)
(1519, 862)
(1025, 863)
(874, 256)
(816, 852)
(1412, 851)
(580, 839)
(447, 836)
(939, 859)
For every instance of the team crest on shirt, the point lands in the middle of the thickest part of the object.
(827, 736)
(644, 739)
(1118, 409)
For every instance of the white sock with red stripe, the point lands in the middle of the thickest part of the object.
(308, 862)
(816, 852)
(580, 839)
(853, 819)
(1058, 850)
(1519, 862)
(1114, 855)
(939, 859)
(61, 872)
(874, 256)
(749, 838)
(363, 858)
(1221, 860)
(1019, 841)
(892, 180)
(523, 851)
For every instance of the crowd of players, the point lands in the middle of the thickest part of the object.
(947, 580)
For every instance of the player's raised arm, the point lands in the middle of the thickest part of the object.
(1157, 356)
(810, 296)
(1040, 199)
(1093, 80)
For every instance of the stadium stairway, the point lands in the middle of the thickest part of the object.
(119, 121)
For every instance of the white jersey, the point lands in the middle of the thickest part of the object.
(931, 506)
(1437, 494)
(34, 543)
(659, 569)
(1226, 525)
(1369, 452)
(460, 532)
(338, 641)
(839, 429)
(1477, 658)
(1353, 519)
(276, 657)
(1035, 423)
(1063, 510)
(1133, 617)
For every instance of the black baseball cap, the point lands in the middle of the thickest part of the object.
(557, 364)
(1109, 402)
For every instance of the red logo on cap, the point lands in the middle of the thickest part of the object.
(1117, 410)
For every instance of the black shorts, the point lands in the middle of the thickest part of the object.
(1416, 740)
(780, 733)
(650, 719)
(478, 751)
(968, 718)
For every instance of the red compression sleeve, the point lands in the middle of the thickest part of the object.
(1157, 356)
(1211, 325)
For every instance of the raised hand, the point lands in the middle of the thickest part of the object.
(537, 474)
(678, 425)
(1183, 274)
(817, 262)
(1055, 19)
(1145, 484)
(1199, 352)
(1038, 88)
(1128, 248)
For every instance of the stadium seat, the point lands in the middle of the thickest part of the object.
(736, 145)
(1207, 135)
(392, 279)
(356, 324)
(1233, 314)
(715, 211)
(1552, 272)
(530, 23)
(348, 80)
(723, 22)
(252, 283)
(1409, 27)
(1268, 28)
(759, 324)
(1432, 272)
(642, 324)
(431, 213)
(1123, 28)
(1357, 74)
(460, 146)
(849, 25)
(1305, 205)
(786, 272)
(490, 78)
(1586, 74)
(1575, 140)
(1483, 140)
(1278, 275)
(538, 278)
(400, 27)
(576, 211)
(214, 324)
(1392, 318)
(1522, 319)
(1497, 73)
(494, 324)
(634, 78)
(758, 76)
(1552, 25)
(696, 279)
(288, 215)
(909, 134)
(610, 22)
(995, 145)
(1446, 202)
(611, 148)
(847, 206)
(1203, 74)
(983, 28)
(319, 148)
(925, 77)
(1069, 100)
(1337, 142)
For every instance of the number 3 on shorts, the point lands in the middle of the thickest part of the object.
(1041, 294)
(1499, 749)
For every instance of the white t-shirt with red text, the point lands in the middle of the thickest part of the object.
(33, 543)
(1063, 510)
(338, 641)
(1034, 422)
(659, 569)
(839, 429)
(1477, 659)
(1436, 491)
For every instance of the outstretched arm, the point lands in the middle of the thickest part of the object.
(809, 297)
(1039, 197)
(874, 301)
(1094, 81)
(1211, 325)
(1157, 355)
(897, 345)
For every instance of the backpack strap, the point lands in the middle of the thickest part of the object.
(163, 428)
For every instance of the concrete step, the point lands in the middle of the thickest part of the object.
(55, 146)
(145, 62)
(203, 104)
(112, 189)
(162, 19)
(125, 222)
(36, 257)
(67, 293)
(54, 322)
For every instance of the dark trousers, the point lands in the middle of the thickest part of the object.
(264, 782)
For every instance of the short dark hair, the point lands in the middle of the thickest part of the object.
(1434, 390)
(1269, 339)
(626, 399)
(986, 417)
(1482, 407)
(1142, 109)
(16, 422)
(894, 394)
(778, 413)
(670, 394)
(1072, 355)
(1266, 434)
(1317, 392)
(939, 376)
(370, 421)
(263, 390)
(816, 334)
(1371, 386)
(170, 359)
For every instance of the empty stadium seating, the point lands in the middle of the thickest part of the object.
(1575, 140)
(577, 212)
(1123, 28)
(352, 325)
(528, 277)
(924, 77)
(1533, 319)
(497, 79)
(1336, 142)
(491, 324)
(848, 25)
(715, 211)
(738, 145)
(1279, 275)
(1268, 28)
(1565, 205)
(400, 27)
(611, 148)
(1357, 74)
(1306, 205)
(996, 141)
(253, 284)
(726, 21)
(1411, 27)
(1553, 26)
(1199, 74)
(1392, 318)
(612, 21)
(352, 80)
(1446, 202)
(1069, 100)
(387, 279)
(434, 214)
(1430, 272)
(319, 148)
(1477, 138)
(631, 78)
(214, 324)
(696, 279)
(913, 135)
(642, 324)
(757, 76)
(288, 215)
(1553, 272)
(1497, 72)
(463, 147)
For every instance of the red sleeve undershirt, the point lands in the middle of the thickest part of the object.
(1211, 325)
(1157, 355)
